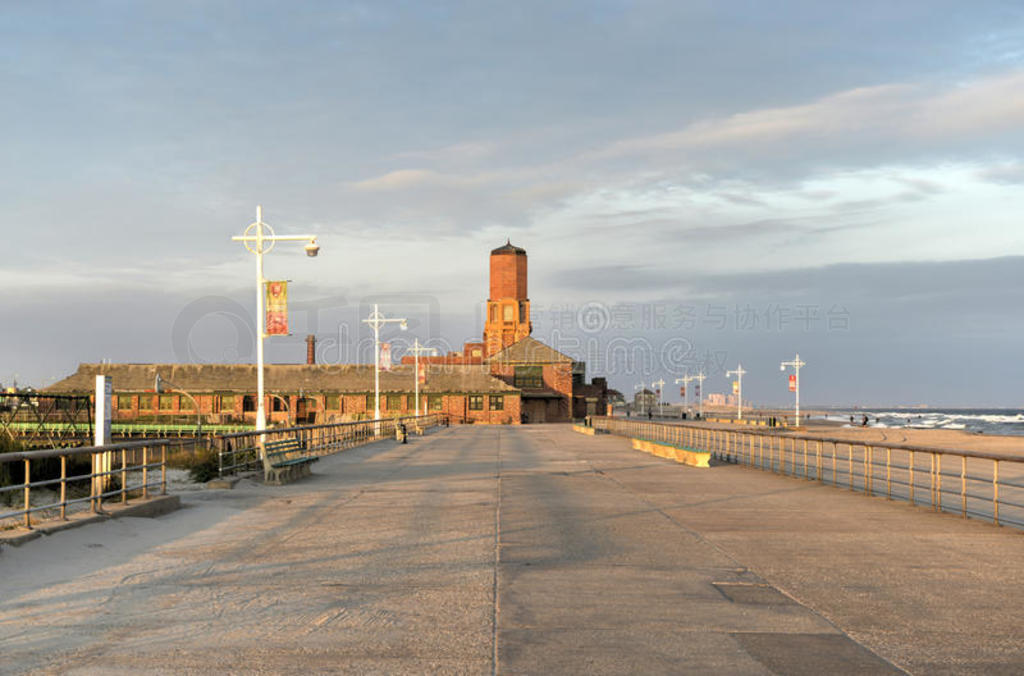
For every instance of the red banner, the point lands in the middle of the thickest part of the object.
(792, 383)
(277, 308)
(682, 391)
(735, 387)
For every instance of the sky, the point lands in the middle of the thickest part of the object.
(698, 185)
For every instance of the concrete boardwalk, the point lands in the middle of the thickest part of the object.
(520, 550)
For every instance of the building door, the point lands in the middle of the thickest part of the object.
(305, 411)
(536, 410)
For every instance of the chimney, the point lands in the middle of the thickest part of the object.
(311, 349)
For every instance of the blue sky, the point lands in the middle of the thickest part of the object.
(844, 179)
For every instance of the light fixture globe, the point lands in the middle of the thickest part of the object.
(312, 249)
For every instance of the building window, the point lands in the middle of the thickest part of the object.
(166, 402)
(494, 313)
(333, 402)
(476, 402)
(145, 402)
(370, 402)
(394, 402)
(185, 404)
(509, 312)
(124, 402)
(249, 403)
(434, 401)
(522, 313)
(529, 376)
(227, 402)
(278, 404)
(497, 402)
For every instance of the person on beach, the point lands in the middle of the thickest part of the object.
(864, 422)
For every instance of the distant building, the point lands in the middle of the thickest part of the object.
(645, 400)
(715, 399)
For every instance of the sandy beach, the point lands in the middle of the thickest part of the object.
(947, 439)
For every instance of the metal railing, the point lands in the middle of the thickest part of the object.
(974, 484)
(84, 478)
(241, 451)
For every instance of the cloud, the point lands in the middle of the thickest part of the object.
(981, 107)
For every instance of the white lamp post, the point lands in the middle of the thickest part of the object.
(658, 386)
(796, 364)
(738, 372)
(417, 350)
(700, 398)
(164, 385)
(685, 381)
(376, 321)
(259, 238)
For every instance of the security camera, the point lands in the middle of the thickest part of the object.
(312, 249)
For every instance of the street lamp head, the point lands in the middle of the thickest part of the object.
(403, 326)
(782, 367)
(312, 249)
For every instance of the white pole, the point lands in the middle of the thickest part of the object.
(416, 372)
(738, 372)
(261, 413)
(259, 238)
(797, 369)
(796, 364)
(659, 385)
(700, 398)
(376, 320)
(376, 364)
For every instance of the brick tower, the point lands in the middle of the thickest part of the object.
(508, 308)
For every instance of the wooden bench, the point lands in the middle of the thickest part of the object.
(286, 460)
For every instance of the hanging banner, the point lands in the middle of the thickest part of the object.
(792, 383)
(277, 308)
(696, 391)
(682, 391)
(735, 387)
(421, 375)
(385, 356)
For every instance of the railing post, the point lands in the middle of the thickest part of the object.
(995, 492)
(818, 461)
(850, 465)
(869, 469)
(145, 472)
(963, 486)
(888, 473)
(932, 473)
(163, 469)
(28, 494)
(64, 487)
(911, 465)
(94, 490)
(124, 476)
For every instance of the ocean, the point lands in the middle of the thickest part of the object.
(978, 420)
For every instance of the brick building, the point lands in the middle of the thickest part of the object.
(553, 386)
(299, 393)
(507, 378)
